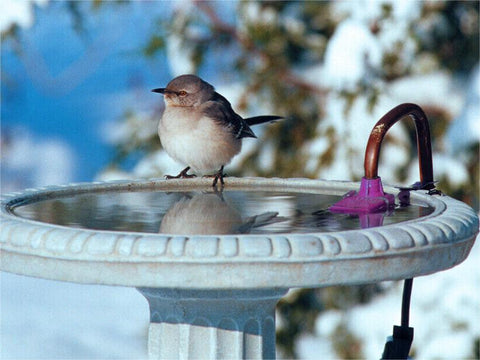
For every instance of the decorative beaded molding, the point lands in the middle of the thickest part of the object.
(315, 259)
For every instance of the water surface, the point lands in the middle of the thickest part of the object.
(196, 212)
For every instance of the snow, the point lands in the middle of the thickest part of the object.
(352, 130)
(444, 167)
(428, 89)
(266, 156)
(17, 11)
(465, 130)
(139, 126)
(355, 52)
(114, 174)
(444, 314)
(179, 56)
(255, 13)
(157, 163)
(351, 54)
(370, 10)
(32, 162)
(183, 63)
(43, 319)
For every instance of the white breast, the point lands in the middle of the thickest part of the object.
(202, 214)
(198, 142)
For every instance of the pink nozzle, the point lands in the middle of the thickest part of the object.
(369, 199)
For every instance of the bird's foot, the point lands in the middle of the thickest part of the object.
(217, 176)
(183, 175)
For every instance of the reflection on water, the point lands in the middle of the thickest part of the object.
(210, 214)
(230, 212)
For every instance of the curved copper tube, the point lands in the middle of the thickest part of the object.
(424, 146)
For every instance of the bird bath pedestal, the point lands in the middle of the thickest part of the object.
(212, 293)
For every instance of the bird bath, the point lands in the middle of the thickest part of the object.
(211, 264)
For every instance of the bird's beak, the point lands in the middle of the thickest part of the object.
(159, 90)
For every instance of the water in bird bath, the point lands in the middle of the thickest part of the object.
(205, 212)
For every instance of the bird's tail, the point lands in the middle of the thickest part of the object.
(267, 218)
(262, 119)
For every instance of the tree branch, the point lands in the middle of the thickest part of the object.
(220, 26)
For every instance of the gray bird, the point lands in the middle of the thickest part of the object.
(200, 129)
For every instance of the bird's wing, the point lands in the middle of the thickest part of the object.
(221, 110)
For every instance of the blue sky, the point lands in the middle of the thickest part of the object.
(66, 85)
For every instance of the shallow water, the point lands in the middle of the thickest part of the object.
(230, 212)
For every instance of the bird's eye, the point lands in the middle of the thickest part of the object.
(182, 93)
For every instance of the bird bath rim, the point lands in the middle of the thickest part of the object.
(416, 247)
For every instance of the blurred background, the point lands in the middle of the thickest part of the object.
(76, 106)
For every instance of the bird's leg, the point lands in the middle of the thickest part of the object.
(183, 174)
(219, 175)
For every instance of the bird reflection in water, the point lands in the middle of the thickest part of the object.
(208, 213)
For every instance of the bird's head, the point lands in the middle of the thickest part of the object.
(186, 91)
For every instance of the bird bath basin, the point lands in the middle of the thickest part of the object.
(213, 264)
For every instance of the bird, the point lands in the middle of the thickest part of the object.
(200, 129)
(209, 213)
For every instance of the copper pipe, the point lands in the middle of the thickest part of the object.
(424, 146)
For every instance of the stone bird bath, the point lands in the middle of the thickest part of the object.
(213, 264)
